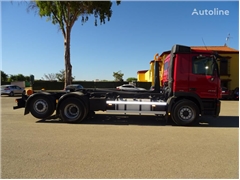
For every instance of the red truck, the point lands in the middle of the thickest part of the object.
(191, 88)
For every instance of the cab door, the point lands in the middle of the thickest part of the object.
(203, 79)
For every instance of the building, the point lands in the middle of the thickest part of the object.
(143, 76)
(229, 66)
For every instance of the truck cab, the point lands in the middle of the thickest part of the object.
(193, 74)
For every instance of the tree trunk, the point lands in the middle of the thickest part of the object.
(68, 66)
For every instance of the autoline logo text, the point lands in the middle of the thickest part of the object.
(210, 12)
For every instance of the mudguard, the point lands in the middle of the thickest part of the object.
(27, 104)
(78, 95)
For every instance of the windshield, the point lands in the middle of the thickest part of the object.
(204, 65)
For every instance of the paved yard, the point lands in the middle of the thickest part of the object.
(119, 147)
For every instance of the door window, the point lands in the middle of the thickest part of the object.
(203, 66)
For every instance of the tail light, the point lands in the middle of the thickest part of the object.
(6, 89)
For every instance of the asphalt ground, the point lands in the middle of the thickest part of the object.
(122, 146)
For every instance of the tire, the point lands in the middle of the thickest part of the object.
(185, 112)
(11, 94)
(72, 110)
(41, 107)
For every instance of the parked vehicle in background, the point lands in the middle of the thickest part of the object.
(73, 87)
(11, 90)
(235, 94)
(129, 87)
(226, 93)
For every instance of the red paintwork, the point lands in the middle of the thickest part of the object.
(205, 86)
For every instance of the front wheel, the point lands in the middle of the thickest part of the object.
(185, 112)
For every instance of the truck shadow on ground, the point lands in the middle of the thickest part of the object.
(103, 119)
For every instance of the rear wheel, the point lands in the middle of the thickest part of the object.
(185, 112)
(73, 110)
(41, 107)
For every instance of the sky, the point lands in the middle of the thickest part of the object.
(126, 43)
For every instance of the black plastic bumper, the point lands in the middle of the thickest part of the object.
(20, 103)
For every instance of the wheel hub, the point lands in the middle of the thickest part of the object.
(71, 111)
(186, 113)
(40, 106)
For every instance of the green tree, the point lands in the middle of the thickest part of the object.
(12, 78)
(20, 77)
(4, 76)
(27, 78)
(118, 76)
(131, 79)
(65, 14)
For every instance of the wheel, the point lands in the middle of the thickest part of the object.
(185, 112)
(72, 110)
(41, 107)
(11, 94)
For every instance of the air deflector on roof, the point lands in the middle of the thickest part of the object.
(181, 49)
